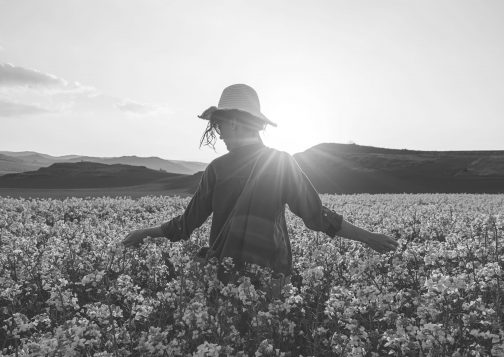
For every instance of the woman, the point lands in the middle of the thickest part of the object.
(247, 189)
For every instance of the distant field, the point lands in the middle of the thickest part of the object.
(133, 192)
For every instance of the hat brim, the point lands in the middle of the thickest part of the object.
(207, 114)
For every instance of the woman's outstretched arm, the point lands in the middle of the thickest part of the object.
(181, 227)
(377, 241)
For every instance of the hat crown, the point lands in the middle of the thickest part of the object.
(241, 97)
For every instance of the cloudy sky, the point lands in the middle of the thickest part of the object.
(121, 77)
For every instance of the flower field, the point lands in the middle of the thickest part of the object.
(67, 288)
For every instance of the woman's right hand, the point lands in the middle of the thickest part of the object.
(381, 243)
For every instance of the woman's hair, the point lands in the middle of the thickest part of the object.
(246, 120)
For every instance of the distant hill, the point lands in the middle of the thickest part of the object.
(155, 163)
(15, 162)
(350, 168)
(332, 168)
(30, 155)
(9, 164)
(96, 175)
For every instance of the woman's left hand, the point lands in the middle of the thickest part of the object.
(135, 238)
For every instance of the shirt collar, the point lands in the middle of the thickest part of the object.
(249, 147)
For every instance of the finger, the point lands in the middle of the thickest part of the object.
(380, 249)
(127, 242)
(130, 245)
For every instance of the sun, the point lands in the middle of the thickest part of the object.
(299, 115)
(292, 139)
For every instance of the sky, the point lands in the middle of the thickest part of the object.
(121, 77)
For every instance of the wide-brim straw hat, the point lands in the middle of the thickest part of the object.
(239, 97)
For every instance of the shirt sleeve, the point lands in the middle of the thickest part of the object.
(304, 201)
(196, 213)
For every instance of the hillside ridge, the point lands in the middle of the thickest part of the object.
(350, 168)
(331, 167)
(16, 162)
(87, 174)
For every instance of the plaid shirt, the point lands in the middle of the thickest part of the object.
(248, 222)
